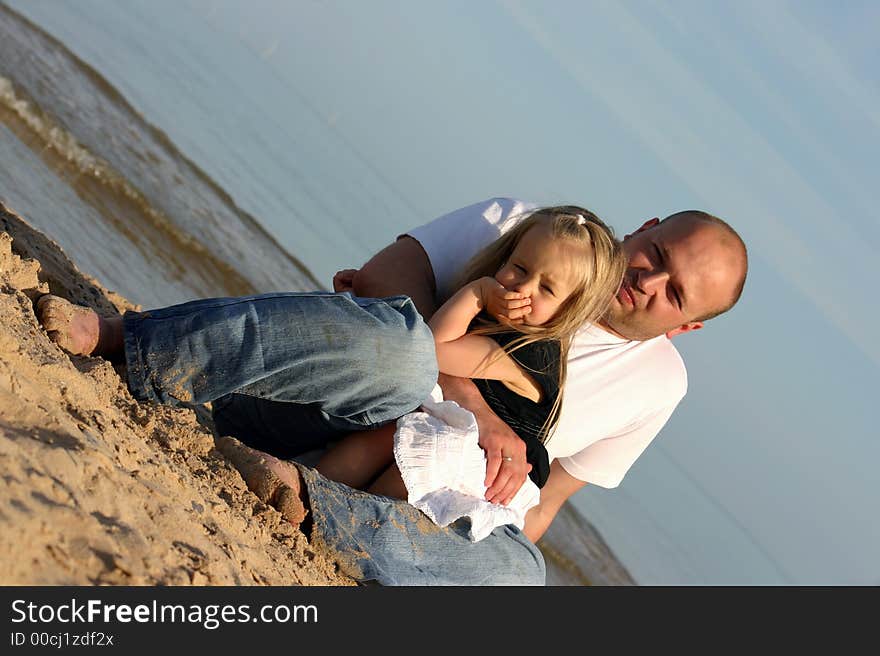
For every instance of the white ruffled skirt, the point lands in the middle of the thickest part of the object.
(443, 468)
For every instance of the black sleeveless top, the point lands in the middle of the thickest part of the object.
(541, 361)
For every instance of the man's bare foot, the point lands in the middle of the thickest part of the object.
(74, 328)
(275, 482)
(77, 329)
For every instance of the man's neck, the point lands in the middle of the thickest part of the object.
(608, 329)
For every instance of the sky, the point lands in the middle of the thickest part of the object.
(764, 113)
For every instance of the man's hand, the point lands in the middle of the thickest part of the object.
(343, 281)
(504, 478)
(506, 466)
(505, 305)
(401, 268)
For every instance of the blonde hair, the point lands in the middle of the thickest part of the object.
(600, 273)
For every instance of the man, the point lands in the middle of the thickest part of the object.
(624, 380)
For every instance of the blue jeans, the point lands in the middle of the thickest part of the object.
(389, 541)
(287, 373)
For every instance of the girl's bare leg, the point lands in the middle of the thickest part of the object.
(390, 484)
(80, 330)
(359, 457)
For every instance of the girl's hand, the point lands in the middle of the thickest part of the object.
(506, 306)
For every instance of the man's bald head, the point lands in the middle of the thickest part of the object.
(681, 271)
(731, 242)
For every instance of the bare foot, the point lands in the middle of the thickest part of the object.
(74, 328)
(80, 330)
(275, 482)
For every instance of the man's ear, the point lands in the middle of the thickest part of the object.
(645, 226)
(684, 328)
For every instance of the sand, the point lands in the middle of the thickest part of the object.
(98, 489)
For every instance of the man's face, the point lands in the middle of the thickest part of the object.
(678, 271)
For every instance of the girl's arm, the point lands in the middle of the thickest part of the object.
(479, 356)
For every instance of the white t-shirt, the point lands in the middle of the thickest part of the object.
(618, 393)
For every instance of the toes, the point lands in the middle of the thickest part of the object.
(291, 507)
(44, 300)
(45, 307)
(49, 302)
(51, 312)
(58, 337)
(52, 319)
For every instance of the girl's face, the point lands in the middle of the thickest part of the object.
(543, 268)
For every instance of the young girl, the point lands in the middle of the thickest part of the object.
(508, 327)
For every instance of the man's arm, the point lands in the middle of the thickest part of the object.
(559, 487)
(404, 268)
(400, 268)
